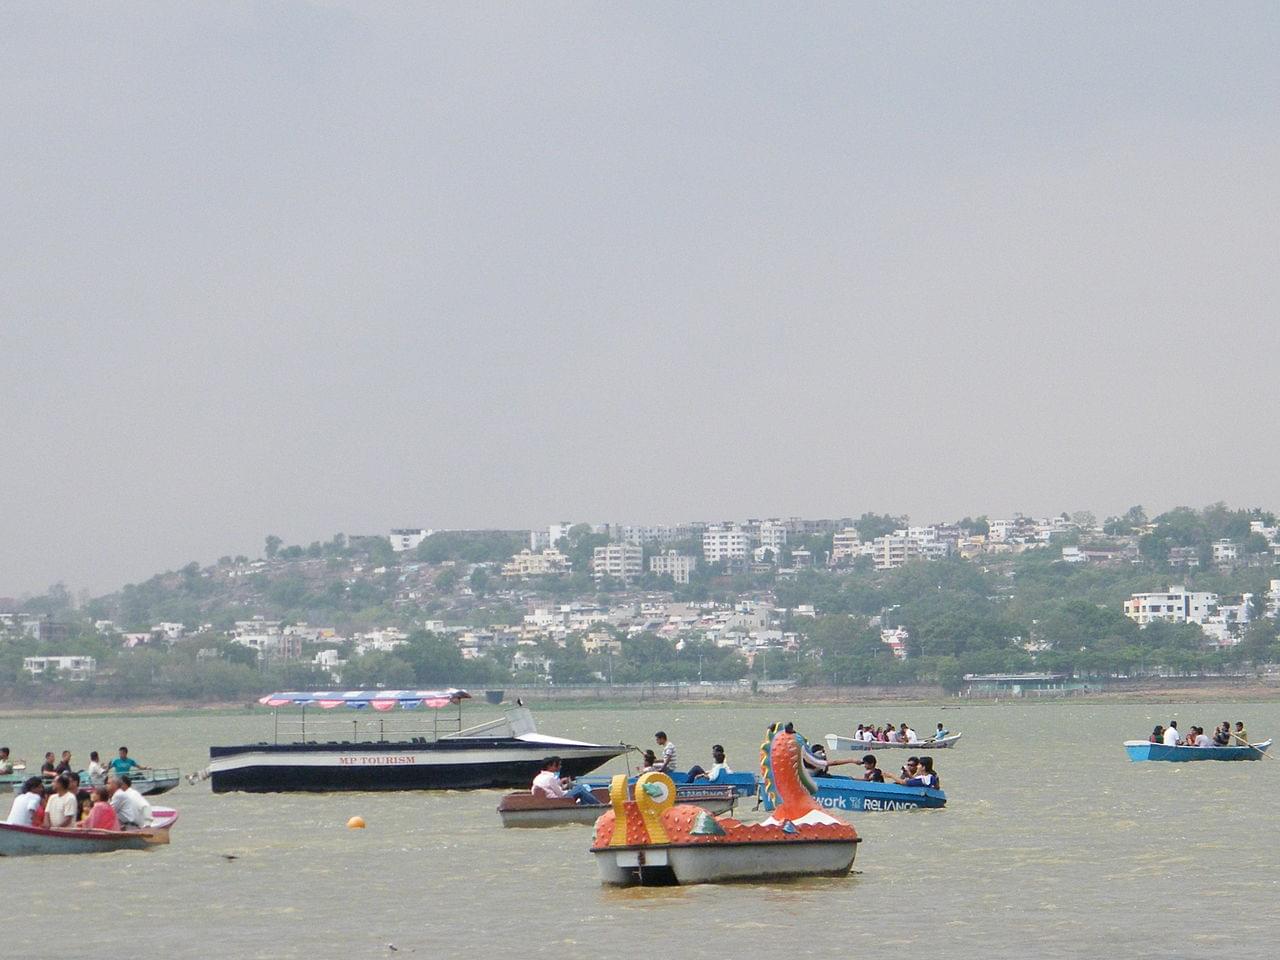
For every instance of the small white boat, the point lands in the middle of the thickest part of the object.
(16, 841)
(849, 744)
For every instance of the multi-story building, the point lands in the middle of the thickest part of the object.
(622, 561)
(1225, 551)
(773, 536)
(1175, 605)
(846, 546)
(526, 563)
(66, 668)
(725, 543)
(1188, 557)
(407, 538)
(678, 566)
(894, 550)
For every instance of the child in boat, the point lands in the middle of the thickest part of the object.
(101, 816)
(650, 762)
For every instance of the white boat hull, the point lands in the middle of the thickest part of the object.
(850, 745)
(724, 863)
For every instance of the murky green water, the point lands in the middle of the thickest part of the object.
(1053, 845)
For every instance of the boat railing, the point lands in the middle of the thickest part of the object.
(381, 728)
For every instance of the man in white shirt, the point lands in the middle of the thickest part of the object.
(909, 735)
(132, 810)
(25, 804)
(60, 810)
(1202, 739)
(667, 757)
(1171, 735)
(549, 783)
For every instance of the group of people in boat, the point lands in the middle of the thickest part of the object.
(58, 797)
(1222, 736)
(903, 733)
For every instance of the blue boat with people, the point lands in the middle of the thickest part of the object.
(846, 793)
(1145, 750)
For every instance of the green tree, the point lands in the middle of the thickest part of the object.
(273, 546)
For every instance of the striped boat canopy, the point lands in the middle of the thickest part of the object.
(360, 699)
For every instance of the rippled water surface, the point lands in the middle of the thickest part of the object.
(1053, 845)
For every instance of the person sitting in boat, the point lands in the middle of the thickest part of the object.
(6, 765)
(666, 762)
(1222, 735)
(101, 815)
(909, 768)
(49, 769)
(718, 766)
(891, 734)
(1172, 737)
(816, 762)
(907, 735)
(921, 773)
(650, 762)
(97, 772)
(60, 809)
(124, 765)
(26, 805)
(1202, 739)
(1240, 736)
(64, 765)
(873, 773)
(131, 807)
(940, 732)
(550, 784)
(1157, 735)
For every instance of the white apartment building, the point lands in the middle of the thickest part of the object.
(622, 561)
(526, 563)
(407, 538)
(773, 536)
(894, 550)
(539, 540)
(1176, 605)
(725, 543)
(67, 668)
(677, 566)
(1225, 551)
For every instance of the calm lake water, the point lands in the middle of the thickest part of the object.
(1053, 845)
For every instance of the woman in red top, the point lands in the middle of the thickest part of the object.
(101, 817)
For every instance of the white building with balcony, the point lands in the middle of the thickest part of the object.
(65, 668)
(725, 543)
(677, 566)
(622, 561)
(1175, 605)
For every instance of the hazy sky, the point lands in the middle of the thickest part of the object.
(309, 268)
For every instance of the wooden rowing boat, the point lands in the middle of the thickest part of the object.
(18, 841)
(849, 744)
(1145, 750)
(525, 810)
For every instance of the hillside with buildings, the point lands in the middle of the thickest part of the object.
(871, 600)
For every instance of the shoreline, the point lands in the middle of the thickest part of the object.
(816, 696)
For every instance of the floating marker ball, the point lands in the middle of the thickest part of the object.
(355, 823)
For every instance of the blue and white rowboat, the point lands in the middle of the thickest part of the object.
(1144, 750)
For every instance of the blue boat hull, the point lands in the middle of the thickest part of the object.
(843, 793)
(1142, 750)
(744, 784)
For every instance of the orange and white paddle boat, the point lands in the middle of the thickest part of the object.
(651, 840)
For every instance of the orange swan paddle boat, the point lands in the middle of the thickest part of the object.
(651, 840)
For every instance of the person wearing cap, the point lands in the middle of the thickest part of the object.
(874, 773)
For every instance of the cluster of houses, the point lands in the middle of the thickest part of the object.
(1223, 623)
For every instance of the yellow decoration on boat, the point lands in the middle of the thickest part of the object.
(655, 792)
(618, 797)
